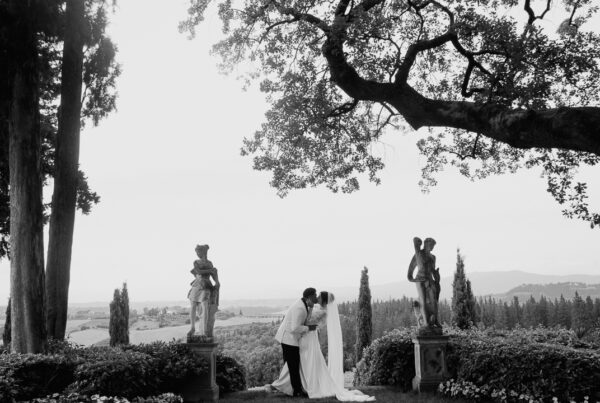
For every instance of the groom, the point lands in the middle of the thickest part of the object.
(291, 329)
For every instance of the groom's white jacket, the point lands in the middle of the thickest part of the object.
(293, 324)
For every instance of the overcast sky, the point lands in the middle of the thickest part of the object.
(168, 168)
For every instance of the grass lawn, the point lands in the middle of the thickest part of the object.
(383, 394)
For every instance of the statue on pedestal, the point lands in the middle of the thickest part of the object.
(204, 295)
(427, 281)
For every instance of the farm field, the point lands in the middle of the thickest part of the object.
(92, 336)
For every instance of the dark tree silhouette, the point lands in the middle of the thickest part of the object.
(364, 315)
(501, 92)
(463, 300)
(118, 325)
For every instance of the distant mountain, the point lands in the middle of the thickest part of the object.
(552, 291)
(483, 283)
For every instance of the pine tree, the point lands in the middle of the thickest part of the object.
(581, 319)
(563, 314)
(6, 334)
(516, 313)
(463, 301)
(472, 303)
(364, 315)
(118, 326)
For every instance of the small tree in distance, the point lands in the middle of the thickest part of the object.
(118, 326)
(463, 301)
(364, 315)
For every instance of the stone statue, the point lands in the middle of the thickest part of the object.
(427, 281)
(204, 295)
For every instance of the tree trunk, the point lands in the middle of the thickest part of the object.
(26, 232)
(62, 220)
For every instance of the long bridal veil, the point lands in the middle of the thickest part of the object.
(335, 345)
(335, 361)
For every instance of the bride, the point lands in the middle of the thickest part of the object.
(318, 378)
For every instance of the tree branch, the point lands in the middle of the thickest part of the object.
(342, 109)
(307, 17)
(415, 48)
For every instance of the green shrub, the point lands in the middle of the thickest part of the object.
(175, 363)
(389, 360)
(77, 398)
(263, 365)
(25, 376)
(113, 372)
(231, 376)
(527, 367)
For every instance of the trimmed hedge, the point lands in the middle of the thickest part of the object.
(542, 363)
(542, 370)
(231, 375)
(140, 370)
(389, 360)
(124, 373)
(77, 398)
(26, 376)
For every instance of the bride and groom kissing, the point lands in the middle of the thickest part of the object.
(305, 372)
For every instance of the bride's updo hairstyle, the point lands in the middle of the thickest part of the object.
(326, 297)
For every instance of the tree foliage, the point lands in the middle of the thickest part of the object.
(498, 91)
(118, 325)
(100, 71)
(463, 301)
(364, 315)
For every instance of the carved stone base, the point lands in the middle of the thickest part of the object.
(430, 362)
(203, 388)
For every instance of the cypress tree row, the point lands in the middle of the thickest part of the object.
(364, 316)
(118, 325)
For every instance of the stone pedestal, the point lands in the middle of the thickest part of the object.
(203, 388)
(430, 362)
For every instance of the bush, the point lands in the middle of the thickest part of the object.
(231, 375)
(25, 376)
(175, 364)
(524, 366)
(114, 372)
(141, 370)
(77, 398)
(263, 365)
(389, 360)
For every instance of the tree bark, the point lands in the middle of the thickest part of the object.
(26, 232)
(62, 220)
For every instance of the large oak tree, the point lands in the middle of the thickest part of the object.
(497, 89)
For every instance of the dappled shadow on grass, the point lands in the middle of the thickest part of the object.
(383, 394)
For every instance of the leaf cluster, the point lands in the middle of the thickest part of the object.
(141, 370)
(100, 71)
(529, 367)
(489, 52)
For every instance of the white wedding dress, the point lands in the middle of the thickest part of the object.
(319, 379)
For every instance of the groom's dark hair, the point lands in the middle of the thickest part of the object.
(309, 292)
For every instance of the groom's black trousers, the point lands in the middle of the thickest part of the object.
(291, 355)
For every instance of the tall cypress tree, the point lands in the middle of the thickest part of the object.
(118, 326)
(6, 334)
(463, 301)
(364, 315)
